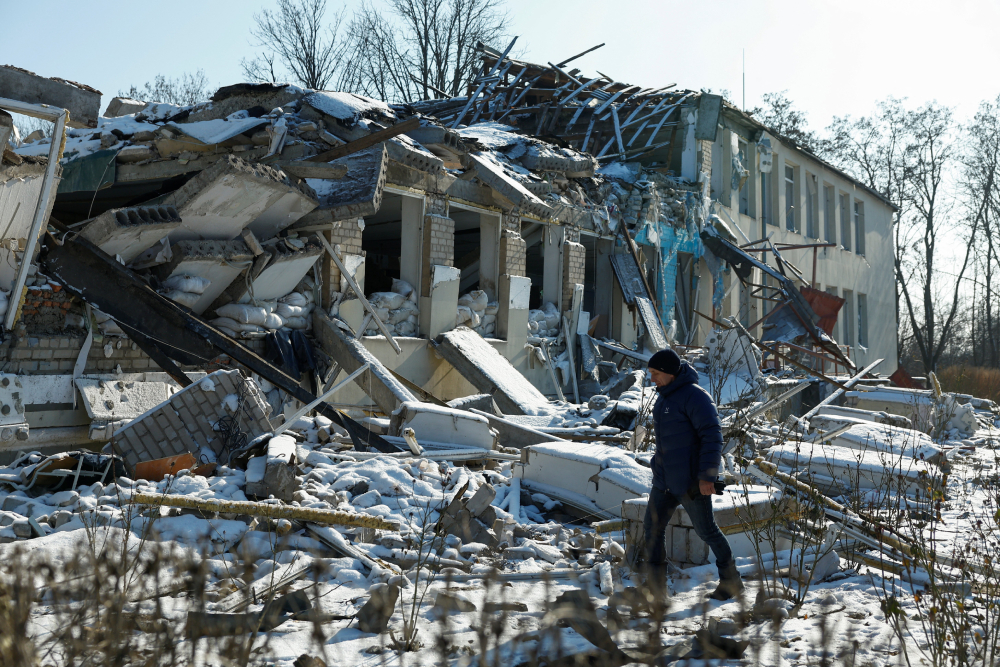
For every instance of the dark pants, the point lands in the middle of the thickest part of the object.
(658, 513)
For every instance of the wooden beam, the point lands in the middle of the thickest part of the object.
(358, 145)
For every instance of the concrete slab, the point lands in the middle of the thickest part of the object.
(219, 262)
(377, 382)
(128, 232)
(357, 195)
(834, 411)
(838, 470)
(604, 474)
(281, 275)
(441, 424)
(490, 372)
(82, 101)
(229, 196)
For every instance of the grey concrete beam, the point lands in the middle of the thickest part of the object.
(380, 385)
(82, 102)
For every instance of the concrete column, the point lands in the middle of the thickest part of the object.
(437, 248)
(438, 309)
(489, 254)
(412, 228)
(552, 239)
(512, 316)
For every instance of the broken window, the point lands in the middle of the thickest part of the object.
(381, 241)
(845, 222)
(535, 238)
(830, 224)
(847, 321)
(477, 246)
(812, 207)
(766, 216)
(790, 222)
(862, 320)
(859, 227)
(745, 188)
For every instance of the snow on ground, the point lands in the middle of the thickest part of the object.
(412, 491)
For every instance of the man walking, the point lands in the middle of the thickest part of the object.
(685, 468)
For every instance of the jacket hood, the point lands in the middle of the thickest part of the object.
(687, 375)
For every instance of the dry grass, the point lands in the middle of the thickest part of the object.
(977, 381)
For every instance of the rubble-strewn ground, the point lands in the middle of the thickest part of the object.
(842, 615)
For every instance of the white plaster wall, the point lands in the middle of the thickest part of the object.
(871, 274)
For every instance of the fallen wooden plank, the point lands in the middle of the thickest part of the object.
(358, 145)
(269, 510)
(307, 169)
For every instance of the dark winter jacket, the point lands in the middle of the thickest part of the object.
(688, 434)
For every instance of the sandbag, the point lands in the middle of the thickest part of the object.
(274, 321)
(185, 283)
(296, 323)
(288, 310)
(243, 313)
(388, 300)
(187, 299)
(397, 316)
(463, 315)
(476, 300)
(225, 322)
(294, 299)
(493, 307)
(402, 287)
(406, 329)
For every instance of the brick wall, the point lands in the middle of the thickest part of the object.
(513, 254)
(574, 265)
(705, 158)
(346, 234)
(438, 247)
(45, 310)
(56, 354)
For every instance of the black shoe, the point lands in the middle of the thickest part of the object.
(730, 583)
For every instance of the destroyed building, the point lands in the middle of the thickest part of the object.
(465, 292)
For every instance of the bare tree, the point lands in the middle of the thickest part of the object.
(419, 49)
(982, 186)
(189, 88)
(294, 36)
(872, 149)
(778, 112)
(930, 157)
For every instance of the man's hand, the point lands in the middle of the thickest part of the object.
(706, 488)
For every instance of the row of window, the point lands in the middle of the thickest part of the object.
(853, 318)
(852, 213)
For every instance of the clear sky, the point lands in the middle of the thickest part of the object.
(834, 58)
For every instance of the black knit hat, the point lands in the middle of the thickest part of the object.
(666, 361)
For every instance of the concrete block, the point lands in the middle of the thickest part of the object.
(82, 101)
(440, 424)
(677, 540)
(438, 305)
(128, 232)
(123, 106)
(228, 197)
(279, 471)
